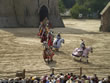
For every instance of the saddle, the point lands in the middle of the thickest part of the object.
(57, 41)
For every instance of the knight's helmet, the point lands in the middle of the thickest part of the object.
(58, 33)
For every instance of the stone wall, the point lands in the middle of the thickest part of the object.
(105, 21)
(7, 15)
(25, 13)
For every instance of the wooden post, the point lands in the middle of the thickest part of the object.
(20, 74)
(24, 73)
(80, 72)
(52, 71)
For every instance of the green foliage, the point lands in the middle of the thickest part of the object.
(77, 9)
(87, 7)
(61, 6)
(69, 3)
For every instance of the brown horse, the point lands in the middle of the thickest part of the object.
(48, 55)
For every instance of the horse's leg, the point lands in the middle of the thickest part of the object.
(44, 58)
(73, 57)
(48, 60)
(57, 49)
(81, 59)
(51, 59)
(87, 60)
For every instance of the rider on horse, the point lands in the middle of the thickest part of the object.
(44, 37)
(58, 37)
(48, 53)
(45, 30)
(82, 45)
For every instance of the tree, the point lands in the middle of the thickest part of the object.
(68, 3)
(77, 9)
(88, 6)
(61, 6)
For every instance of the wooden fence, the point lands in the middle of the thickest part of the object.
(101, 72)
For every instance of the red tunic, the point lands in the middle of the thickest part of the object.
(48, 54)
(50, 41)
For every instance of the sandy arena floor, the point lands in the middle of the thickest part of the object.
(20, 48)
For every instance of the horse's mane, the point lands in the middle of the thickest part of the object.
(89, 48)
(61, 40)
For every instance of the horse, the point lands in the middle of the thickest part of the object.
(79, 52)
(48, 55)
(57, 44)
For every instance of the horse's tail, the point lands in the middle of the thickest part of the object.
(63, 40)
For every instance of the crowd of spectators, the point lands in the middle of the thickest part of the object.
(59, 78)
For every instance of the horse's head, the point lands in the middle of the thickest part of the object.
(45, 44)
(90, 49)
(62, 41)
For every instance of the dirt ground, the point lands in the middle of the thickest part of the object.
(20, 48)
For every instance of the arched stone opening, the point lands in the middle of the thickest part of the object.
(43, 13)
